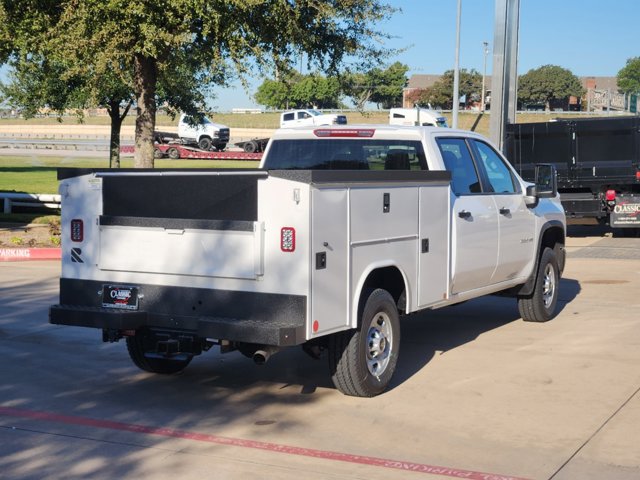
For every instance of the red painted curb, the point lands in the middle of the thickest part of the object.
(25, 254)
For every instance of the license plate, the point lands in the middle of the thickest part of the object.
(118, 296)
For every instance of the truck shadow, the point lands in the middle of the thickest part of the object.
(430, 333)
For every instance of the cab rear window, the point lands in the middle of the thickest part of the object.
(345, 154)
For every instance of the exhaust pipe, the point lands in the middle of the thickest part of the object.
(262, 354)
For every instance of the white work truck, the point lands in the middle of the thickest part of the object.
(340, 233)
(203, 132)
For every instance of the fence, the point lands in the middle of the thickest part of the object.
(30, 200)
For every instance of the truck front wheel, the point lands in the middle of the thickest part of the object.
(362, 361)
(540, 306)
(139, 353)
(205, 143)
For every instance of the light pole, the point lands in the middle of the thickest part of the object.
(456, 72)
(484, 74)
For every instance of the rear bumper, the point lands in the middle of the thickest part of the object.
(269, 319)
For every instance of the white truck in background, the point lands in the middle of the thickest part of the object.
(310, 117)
(204, 133)
(340, 233)
(424, 117)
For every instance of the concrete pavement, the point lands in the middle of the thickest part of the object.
(478, 394)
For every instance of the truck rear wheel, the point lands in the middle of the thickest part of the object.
(173, 153)
(250, 147)
(541, 305)
(362, 361)
(138, 352)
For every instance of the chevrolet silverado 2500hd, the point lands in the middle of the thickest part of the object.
(338, 234)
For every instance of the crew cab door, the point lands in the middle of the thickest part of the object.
(474, 221)
(515, 220)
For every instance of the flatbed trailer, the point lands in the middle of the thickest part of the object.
(254, 145)
(176, 151)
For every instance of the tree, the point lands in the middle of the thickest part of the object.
(440, 94)
(381, 86)
(629, 76)
(317, 91)
(299, 91)
(274, 94)
(37, 82)
(388, 85)
(217, 38)
(548, 84)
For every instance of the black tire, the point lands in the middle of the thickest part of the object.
(541, 305)
(362, 361)
(250, 147)
(173, 153)
(157, 153)
(168, 366)
(221, 146)
(205, 143)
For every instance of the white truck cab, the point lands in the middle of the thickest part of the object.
(206, 134)
(417, 116)
(310, 117)
(339, 234)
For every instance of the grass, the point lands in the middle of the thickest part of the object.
(38, 174)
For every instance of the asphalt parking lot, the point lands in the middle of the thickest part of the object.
(479, 394)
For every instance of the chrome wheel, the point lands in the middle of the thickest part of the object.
(380, 340)
(548, 285)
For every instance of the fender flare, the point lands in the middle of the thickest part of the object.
(528, 286)
(366, 273)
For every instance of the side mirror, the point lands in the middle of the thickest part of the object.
(546, 181)
(531, 196)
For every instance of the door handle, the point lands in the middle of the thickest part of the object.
(504, 211)
(464, 214)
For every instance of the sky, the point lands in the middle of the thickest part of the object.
(589, 37)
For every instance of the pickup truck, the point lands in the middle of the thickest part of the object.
(309, 117)
(417, 116)
(206, 134)
(338, 234)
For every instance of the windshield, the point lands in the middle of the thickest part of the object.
(190, 121)
(347, 154)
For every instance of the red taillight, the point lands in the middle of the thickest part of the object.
(288, 239)
(77, 230)
(345, 132)
(638, 175)
(610, 196)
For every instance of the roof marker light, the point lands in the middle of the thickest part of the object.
(344, 132)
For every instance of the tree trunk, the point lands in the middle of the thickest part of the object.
(146, 76)
(114, 140)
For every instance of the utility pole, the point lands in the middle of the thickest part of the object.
(505, 72)
(456, 72)
(484, 75)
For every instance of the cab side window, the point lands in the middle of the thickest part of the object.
(498, 174)
(458, 161)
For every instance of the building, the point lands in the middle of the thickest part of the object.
(602, 92)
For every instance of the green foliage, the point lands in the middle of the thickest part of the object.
(629, 76)
(173, 49)
(381, 86)
(547, 84)
(440, 94)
